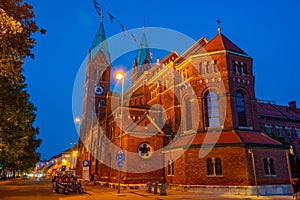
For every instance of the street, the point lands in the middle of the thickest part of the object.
(41, 189)
(33, 189)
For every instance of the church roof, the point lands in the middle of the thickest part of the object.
(225, 138)
(221, 42)
(196, 48)
(100, 43)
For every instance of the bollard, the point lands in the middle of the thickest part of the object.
(150, 187)
(155, 188)
(163, 190)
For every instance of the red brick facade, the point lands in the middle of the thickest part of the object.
(190, 119)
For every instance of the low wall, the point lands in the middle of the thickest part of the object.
(236, 190)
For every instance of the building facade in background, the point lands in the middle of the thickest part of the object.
(189, 120)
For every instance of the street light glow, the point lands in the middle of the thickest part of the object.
(119, 75)
(77, 120)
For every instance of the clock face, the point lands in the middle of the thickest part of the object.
(98, 89)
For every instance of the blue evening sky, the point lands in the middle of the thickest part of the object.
(268, 30)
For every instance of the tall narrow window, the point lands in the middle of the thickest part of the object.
(298, 133)
(218, 166)
(266, 166)
(209, 167)
(170, 167)
(214, 66)
(278, 131)
(211, 106)
(289, 133)
(268, 130)
(240, 105)
(236, 67)
(269, 166)
(188, 116)
(200, 68)
(207, 67)
(242, 68)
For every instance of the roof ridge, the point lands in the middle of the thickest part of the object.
(279, 110)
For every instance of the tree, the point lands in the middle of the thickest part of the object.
(18, 136)
(17, 27)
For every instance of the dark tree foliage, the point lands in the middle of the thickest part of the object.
(18, 135)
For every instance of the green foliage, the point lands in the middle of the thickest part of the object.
(18, 141)
(17, 26)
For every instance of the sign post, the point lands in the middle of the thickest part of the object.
(120, 157)
(86, 169)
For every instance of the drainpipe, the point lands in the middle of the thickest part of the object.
(254, 169)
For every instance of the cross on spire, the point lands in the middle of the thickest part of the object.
(219, 22)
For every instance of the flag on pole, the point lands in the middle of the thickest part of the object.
(111, 17)
(123, 29)
(97, 7)
(133, 37)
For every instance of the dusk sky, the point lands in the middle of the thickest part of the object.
(266, 30)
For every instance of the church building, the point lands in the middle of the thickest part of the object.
(191, 121)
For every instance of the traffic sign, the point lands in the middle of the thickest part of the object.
(85, 163)
(120, 156)
(120, 164)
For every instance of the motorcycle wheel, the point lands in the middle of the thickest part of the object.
(80, 190)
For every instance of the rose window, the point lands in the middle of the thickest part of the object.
(145, 150)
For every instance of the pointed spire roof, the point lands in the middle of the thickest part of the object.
(221, 42)
(143, 53)
(100, 43)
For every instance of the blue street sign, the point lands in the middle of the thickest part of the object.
(120, 164)
(85, 163)
(120, 156)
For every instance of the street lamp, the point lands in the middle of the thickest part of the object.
(120, 76)
(77, 120)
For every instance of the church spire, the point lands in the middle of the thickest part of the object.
(100, 43)
(144, 54)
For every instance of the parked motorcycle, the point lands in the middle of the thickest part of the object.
(74, 188)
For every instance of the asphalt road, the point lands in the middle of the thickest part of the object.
(28, 189)
(42, 190)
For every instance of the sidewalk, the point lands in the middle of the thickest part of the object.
(97, 192)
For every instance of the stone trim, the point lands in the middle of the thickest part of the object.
(282, 189)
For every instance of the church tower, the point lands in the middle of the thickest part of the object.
(143, 59)
(235, 67)
(97, 85)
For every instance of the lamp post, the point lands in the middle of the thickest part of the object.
(120, 76)
(73, 154)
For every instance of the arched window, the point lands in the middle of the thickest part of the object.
(213, 167)
(200, 68)
(240, 107)
(209, 167)
(207, 67)
(214, 66)
(211, 107)
(218, 166)
(269, 166)
(188, 114)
